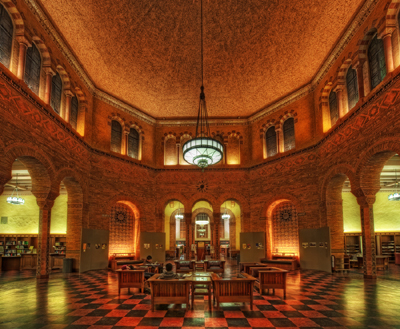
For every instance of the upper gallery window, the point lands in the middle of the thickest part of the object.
(133, 143)
(74, 112)
(116, 136)
(56, 91)
(6, 36)
(288, 134)
(333, 107)
(352, 87)
(270, 139)
(376, 60)
(32, 68)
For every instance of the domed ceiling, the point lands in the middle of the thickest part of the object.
(147, 52)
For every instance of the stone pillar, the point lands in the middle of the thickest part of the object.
(360, 78)
(339, 94)
(49, 74)
(368, 235)
(334, 216)
(217, 224)
(74, 233)
(124, 146)
(23, 46)
(387, 44)
(43, 251)
(189, 238)
(68, 96)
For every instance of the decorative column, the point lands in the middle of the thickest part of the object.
(368, 235)
(49, 75)
(339, 94)
(23, 46)
(217, 223)
(360, 77)
(68, 95)
(189, 239)
(74, 233)
(43, 251)
(279, 139)
(388, 49)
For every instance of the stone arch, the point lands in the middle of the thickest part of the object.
(83, 105)
(164, 200)
(202, 196)
(64, 77)
(16, 17)
(170, 151)
(324, 106)
(343, 168)
(128, 200)
(244, 204)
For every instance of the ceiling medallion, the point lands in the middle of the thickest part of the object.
(203, 150)
(120, 216)
(285, 215)
(202, 186)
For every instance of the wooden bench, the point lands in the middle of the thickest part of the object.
(215, 266)
(171, 291)
(119, 260)
(269, 278)
(131, 279)
(231, 290)
(184, 266)
(245, 266)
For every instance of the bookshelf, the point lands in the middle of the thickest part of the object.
(352, 243)
(388, 244)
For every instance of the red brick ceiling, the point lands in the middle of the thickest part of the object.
(147, 52)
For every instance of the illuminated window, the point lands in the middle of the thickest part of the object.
(133, 144)
(32, 68)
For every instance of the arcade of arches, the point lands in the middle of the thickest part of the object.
(86, 160)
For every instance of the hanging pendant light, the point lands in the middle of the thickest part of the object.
(394, 196)
(179, 215)
(202, 219)
(225, 215)
(203, 150)
(15, 199)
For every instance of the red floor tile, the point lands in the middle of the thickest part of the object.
(172, 322)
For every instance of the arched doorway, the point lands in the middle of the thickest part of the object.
(175, 229)
(231, 213)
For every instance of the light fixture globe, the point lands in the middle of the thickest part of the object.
(15, 200)
(179, 216)
(202, 151)
(225, 216)
(394, 197)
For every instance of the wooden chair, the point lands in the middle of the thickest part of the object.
(269, 278)
(131, 279)
(215, 266)
(184, 266)
(231, 290)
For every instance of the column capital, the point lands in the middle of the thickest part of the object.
(358, 63)
(45, 204)
(22, 40)
(49, 70)
(338, 87)
(366, 200)
(68, 93)
(386, 32)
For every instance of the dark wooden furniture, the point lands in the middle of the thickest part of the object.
(120, 259)
(184, 266)
(130, 279)
(215, 266)
(56, 261)
(11, 263)
(287, 264)
(28, 261)
(199, 266)
(201, 286)
(244, 266)
(169, 291)
(269, 278)
(382, 262)
(397, 262)
(231, 290)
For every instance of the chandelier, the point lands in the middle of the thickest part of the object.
(202, 219)
(394, 196)
(203, 150)
(15, 199)
(225, 215)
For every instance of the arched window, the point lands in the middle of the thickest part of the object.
(352, 87)
(6, 36)
(270, 139)
(116, 136)
(133, 144)
(56, 90)
(333, 107)
(288, 134)
(376, 61)
(32, 68)
(74, 112)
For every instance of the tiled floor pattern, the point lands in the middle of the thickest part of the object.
(314, 300)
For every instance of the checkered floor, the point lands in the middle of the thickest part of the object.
(314, 300)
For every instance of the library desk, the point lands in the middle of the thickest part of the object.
(28, 261)
(56, 261)
(12, 263)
